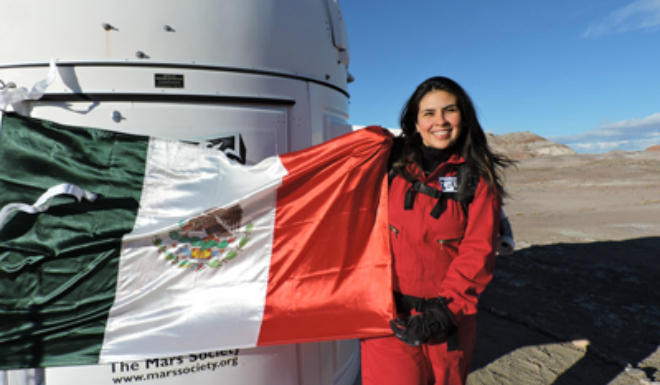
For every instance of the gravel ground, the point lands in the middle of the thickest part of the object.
(578, 302)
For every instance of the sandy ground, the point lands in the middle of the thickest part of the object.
(578, 302)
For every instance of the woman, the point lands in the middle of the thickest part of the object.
(444, 212)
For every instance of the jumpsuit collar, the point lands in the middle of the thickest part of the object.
(454, 159)
(433, 157)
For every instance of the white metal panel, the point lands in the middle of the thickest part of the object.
(316, 363)
(330, 113)
(339, 35)
(262, 128)
(346, 362)
(22, 377)
(112, 79)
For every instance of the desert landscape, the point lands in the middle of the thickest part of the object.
(577, 302)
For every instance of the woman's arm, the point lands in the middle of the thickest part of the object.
(472, 269)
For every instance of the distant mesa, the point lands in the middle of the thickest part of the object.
(655, 148)
(523, 145)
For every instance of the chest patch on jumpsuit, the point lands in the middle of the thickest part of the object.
(448, 183)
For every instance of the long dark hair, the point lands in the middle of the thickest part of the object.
(472, 144)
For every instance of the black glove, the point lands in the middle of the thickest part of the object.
(413, 330)
(433, 324)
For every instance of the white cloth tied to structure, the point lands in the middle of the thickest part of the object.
(10, 96)
(43, 203)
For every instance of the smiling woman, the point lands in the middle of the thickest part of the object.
(443, 258)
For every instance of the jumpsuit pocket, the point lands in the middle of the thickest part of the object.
(449, 245)
(449, 242)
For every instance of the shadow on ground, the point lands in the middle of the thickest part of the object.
(542, 297)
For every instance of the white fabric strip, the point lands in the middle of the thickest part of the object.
(43, 203)
(184, 305)
(9, 96)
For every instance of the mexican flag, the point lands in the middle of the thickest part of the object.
(117, 247)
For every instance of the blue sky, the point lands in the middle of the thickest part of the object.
(585, 73)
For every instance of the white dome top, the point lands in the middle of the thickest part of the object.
(299, 38)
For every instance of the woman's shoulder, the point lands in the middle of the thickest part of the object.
(396, 151)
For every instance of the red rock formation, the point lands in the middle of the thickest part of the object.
(653, 148)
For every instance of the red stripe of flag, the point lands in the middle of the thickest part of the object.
(331, 273)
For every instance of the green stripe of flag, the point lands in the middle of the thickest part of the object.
(44, 322)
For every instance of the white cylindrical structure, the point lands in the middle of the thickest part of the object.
(253, 78)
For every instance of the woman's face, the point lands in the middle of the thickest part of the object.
(439, 120)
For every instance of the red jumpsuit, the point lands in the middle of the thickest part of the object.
(452, 256)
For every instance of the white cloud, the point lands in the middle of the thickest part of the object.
(640, 14)
(629, 135)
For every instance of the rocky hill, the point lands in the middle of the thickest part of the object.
(523, 145)
(653, 148)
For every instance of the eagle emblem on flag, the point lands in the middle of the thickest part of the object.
(210, 239)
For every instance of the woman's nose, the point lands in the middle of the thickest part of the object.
(440, 119)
